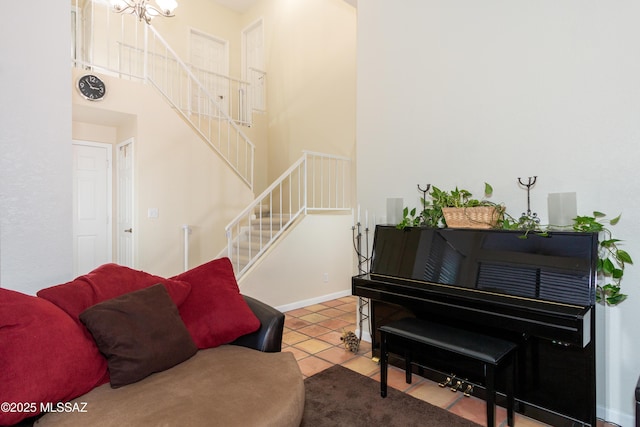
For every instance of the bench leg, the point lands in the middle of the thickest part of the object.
(407, 366)
(384, 356)
(489, 375)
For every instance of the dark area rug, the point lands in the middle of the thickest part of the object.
(339, 396)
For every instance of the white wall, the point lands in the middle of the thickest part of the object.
(459, 92)
(35, 146)
(315, 260)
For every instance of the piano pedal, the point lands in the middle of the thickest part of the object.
(467, 392)
(447, 382)
(457, 386)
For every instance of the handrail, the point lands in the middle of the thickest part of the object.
(316, 181)
(202, 111)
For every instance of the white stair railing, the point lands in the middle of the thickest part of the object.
(316, 182)
(122, 46)
(173, 78)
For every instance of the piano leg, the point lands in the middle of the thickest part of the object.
(384, 358)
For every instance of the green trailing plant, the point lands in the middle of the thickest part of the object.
(611, 259)
(524, 223)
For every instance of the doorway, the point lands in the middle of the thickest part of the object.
(209, 58)
(92, 206)
(253, 64)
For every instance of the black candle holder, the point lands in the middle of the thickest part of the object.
(529, 219)
(359, 234)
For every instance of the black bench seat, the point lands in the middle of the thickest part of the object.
(492, 352)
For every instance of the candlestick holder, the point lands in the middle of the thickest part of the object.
(529, 219)
(361, 246)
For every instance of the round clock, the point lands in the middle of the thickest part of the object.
(91, 87)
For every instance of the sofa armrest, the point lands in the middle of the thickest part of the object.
(269, 337)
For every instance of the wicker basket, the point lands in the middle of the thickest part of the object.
(475, 217)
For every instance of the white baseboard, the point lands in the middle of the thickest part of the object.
(365, 335)
(311, 301)
(619, 418)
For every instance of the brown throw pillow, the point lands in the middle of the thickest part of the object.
(139, 333)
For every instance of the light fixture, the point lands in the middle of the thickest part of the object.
(143, 9)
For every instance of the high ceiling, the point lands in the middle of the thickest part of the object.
(237, 5)
(244, 5)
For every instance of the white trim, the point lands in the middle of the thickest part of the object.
(131, 142)
(315, 300)
(366, 336)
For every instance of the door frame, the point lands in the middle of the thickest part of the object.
(245, 66)
(118, 147)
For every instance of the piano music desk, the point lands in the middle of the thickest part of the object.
(493, 353)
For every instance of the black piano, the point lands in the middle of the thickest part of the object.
(536, 290)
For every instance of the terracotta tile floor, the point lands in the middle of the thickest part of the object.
(313, 334)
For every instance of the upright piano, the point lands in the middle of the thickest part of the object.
(536, 290)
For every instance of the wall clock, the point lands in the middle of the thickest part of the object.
(91, 87)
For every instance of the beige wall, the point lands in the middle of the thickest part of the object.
(212, 19)
(311, 77)
(175, 171)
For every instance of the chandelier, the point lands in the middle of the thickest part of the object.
(143, 9)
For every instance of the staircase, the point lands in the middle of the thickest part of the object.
(264, 226)
(123, 47)
(317, 182)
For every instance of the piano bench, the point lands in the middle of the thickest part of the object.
(493, 353)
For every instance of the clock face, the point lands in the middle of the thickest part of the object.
(91, 87)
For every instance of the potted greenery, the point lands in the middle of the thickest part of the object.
(455, 208)
(461, 210)
(611, 259)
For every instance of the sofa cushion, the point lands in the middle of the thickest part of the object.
(139, 333)
(224, 386)
(106, 282)
(44, 355)
(215, 312)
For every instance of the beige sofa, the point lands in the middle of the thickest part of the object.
(228, 385)
(120, 347)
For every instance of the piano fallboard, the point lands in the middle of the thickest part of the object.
(569, 324)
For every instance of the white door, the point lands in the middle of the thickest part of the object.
(210, 63)
(91, 206)
(125, 223)
(253, 69)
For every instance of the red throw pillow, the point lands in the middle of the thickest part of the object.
(214, 312)
(44, 356)
(106, 282)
